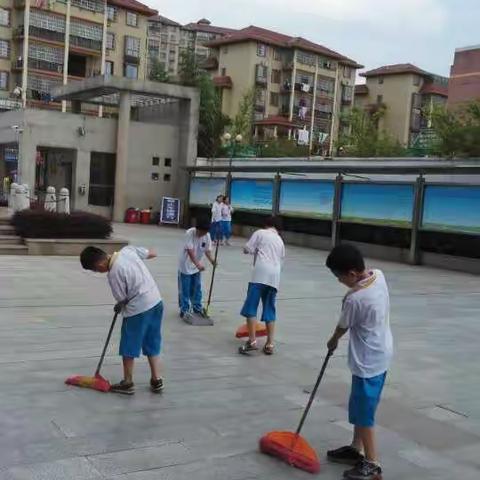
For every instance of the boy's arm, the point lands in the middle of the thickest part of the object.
(347, 318)
(209, 255)
(332, 344)
(191, 254)
(252, 244)
(145, 253)
(151, 254)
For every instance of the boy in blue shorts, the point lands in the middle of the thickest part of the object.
(268, 250)
(138, 298)
(365, 314)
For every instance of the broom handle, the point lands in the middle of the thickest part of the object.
(213, 277)
(109, 336)
(314, 392)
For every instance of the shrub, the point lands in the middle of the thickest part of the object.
(42, 224)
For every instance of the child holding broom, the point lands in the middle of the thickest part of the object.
(138, 298)
(365, 313)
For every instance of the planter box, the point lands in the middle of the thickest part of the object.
(71, 246)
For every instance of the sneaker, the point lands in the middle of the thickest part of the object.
(156, 386)
(364, 470)
(126, 388)
(247, 347)
(347, 455)
(182, 314)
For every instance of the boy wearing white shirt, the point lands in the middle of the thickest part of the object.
(196, 244)
(365, 313)
(227, 211)
(138, 298)
(216, 225)
(269, 251)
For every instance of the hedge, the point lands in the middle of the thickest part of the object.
(42, 224)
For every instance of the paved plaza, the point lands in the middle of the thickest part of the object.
(205, 426)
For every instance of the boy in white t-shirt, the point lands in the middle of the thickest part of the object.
(138, 298)
(365, 313)
(196, 244)
(269, 251)
(216, 223)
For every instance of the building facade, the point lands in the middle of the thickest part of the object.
(301, 88)
(406, 94)
(464, 84)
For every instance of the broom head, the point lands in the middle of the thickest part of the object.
(292, 449)
(242, 332)
(96, 383)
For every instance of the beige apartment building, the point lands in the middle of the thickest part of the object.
(406, 94)
(302, 88)
(47, 43)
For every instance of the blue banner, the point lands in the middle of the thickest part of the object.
(252, 195)
(204, 191)
(308, 199)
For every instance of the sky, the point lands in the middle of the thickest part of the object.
(372, 32)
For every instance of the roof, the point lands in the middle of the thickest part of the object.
(434, 89)
(277, 120)
(203, 25)
(396, 69)
(164, 20)
(361, 89)
(223, 82)
(134, 6)
(280, 40)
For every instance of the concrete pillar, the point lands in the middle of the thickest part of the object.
(66, 52)
(64, 201)
(337, 210)
(26, 38)
(123, 127)
(27, 153)
(417, 218)
(50, 200)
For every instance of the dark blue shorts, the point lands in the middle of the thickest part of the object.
(142, 333)
(364, 399)
(265, 293)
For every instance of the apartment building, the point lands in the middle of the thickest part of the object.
(464, 84)
(47, 43)
(302, 88)
(406, 94)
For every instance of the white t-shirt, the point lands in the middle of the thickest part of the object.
(365, 313)
(227, 212)
(216, 212)
(269, 251)
(199, 245)
(130, 280)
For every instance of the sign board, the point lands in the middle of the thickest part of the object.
(170, 211)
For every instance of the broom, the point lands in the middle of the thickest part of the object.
(211, 280)
(291, 447)
(97, 382)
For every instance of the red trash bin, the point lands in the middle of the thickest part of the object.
(145, 217)
(132, 215)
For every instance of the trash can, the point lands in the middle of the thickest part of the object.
(132, 215)
(145, 216)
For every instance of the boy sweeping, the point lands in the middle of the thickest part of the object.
(196, 244)
(138, 298)
(269, 251)
(365, 313)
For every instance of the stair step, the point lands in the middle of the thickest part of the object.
(4, 221)
(13, 250)
(7, 230)
(10, 240)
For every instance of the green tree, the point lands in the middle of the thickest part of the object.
(243, 121)
(157, 72)
(188, 69)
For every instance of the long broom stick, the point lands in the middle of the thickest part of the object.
(213, 278)
(107, 342)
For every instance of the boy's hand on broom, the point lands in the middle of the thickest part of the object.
(119, 306)
(332, 344)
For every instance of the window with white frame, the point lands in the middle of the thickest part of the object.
(109, 68)
(4, 49)
(261, 50)
(47, 21)
(132, 19)
(132, 47)
(112, 13)
(3, 80)
(4, 17)
(110, 41)
(131, 71)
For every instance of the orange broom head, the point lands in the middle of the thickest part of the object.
(292, 449)
(97, 382)
(242, 332)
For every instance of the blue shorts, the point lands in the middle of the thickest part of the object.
(257, 292)
(364, 399)
(142, 332)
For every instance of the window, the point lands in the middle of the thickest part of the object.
(306, 58)
(4, 17)
(261, 73)
(102, 179)
(274, 99)
(347, 72)
(416, 80)
(277, 55)
(168, 162)
(4, 49)
(347, 93)
(112, 13)
(131, 71)
(132, 47)
(3, 80)
(225, 50)
(110, 41)
(379, 99)
(223, 72)
(132, 19)
(109, 68)
(261, 50)
(156, 161)
(380, 80)
(276, 76)
(166, 177)
(155, 177)
(153, 47)
(92, 5)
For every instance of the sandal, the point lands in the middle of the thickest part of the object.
(248, 347)
(268, 349)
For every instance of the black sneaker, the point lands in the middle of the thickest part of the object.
(364, 470)
(347, 455)
(126, 388)
(247, 347)
(182, 314)
(156, 386)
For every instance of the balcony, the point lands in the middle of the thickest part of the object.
(259, 108)
(131, 58)
(37, 32)
(261, 80)
(36, 64)
(87, 43)
(304, 88)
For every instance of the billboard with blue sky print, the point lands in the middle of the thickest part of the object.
(305, 198)
(452, 208)
(384, 204)
(204, 191)
(252, 195)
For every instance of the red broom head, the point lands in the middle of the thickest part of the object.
(242, 332)
(96, 383)
(292, 449)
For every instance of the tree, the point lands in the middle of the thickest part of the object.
(157, 72)
(243, 121)
(188, 67)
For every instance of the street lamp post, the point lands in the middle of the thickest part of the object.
(233, 143)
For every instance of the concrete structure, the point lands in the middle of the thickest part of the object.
(216, 404)
(464, 85)
(299, 84)
(108, 163)
(406, 94)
